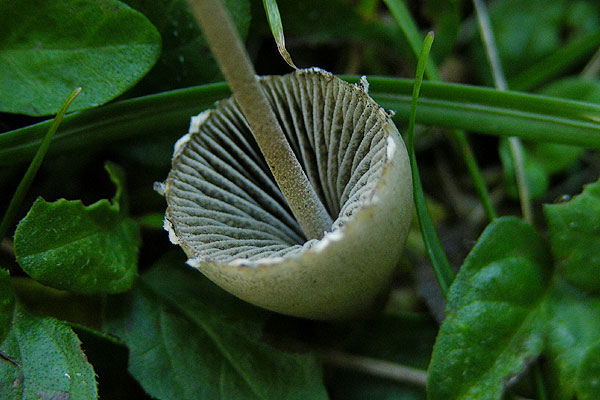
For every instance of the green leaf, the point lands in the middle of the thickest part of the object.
(574, 231)
(49, 48)
(573, 321)
(84, 249)
(588, 376)
(494, 323)
(185, 59)
(188, 339)
(44, 361)
(7, 304)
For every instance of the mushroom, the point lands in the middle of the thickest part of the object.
(227, 213)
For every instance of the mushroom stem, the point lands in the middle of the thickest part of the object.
(235, 64)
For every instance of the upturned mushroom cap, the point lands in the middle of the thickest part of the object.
(226, 212)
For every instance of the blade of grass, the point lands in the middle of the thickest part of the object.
(572, 54)
(274, 20)
(25, 183)
(516, 147)
(435, 251)
(411, 32)
(445, 105)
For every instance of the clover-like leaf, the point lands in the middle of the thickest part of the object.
(85, 249)
(49, 48)
(43, 360)
(494, 323)
(188, 339)
(574, 230)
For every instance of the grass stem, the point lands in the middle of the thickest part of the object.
(235, 64)
(34, 166)
(411, 33)
(374, 367)
(516, 147)
(441, 267)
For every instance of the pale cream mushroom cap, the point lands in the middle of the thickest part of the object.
(226, 212)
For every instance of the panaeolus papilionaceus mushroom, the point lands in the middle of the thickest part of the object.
(227, 213)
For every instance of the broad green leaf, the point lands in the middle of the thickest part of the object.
(274, 20)
(573, 321)
(7, 303)
(84, 249)
(588, 376)
(44, 361)
(574, 231)
(49, 48)
(494, 323)
(185, 59)
(188, 339)
(476, 109)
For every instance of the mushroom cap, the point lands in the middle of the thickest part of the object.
(226, 212)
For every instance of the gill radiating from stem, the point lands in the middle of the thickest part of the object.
(235, 64)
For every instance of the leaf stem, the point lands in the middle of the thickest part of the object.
(34, 166)
(516, 147)
(374, 367)
(235, 64)
(441, 266)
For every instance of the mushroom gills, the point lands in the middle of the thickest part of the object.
(227, 213)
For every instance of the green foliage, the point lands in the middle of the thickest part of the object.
(188, 339)
(542, 159)
(85, 249)
(48, 49)
(511, 301)
(25, 184)
(573, 323)
(536, 176)
(588, 375)
(574, 230)
(43, 360)
(7, 304)
(526, 32)
(493, 327)
(525, 296)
